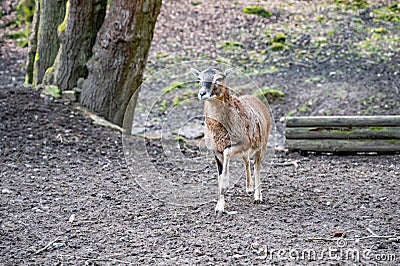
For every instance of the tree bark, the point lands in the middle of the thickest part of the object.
(120, 54)
(77, 33)
(51, 15)
(32, 44)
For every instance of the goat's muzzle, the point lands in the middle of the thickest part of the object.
(203, 94)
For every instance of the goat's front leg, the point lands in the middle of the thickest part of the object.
(223, 178)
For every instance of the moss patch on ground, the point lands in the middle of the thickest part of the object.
(270, 94)
(257, 10)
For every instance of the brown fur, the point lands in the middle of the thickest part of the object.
(231, 120)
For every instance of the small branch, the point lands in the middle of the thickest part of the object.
(294, 163)
(390, 237)
(47, 246)
(322, 239)
(370, 231)
(106, 258)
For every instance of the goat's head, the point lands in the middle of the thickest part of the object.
(212, 81)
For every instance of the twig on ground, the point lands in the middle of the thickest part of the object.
(47, 246)
(106, 258)
(290, 163)
(372, 235)
(370, 231)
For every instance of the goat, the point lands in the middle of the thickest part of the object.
(235, 127)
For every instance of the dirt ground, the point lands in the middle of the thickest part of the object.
(70, 196)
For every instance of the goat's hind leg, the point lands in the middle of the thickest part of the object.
(257, 178)
(249, 179)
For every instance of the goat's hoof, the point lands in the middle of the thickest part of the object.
(258, 201)
(218, 214)
(249, 190)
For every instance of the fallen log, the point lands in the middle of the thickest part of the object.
(349, 134)
(374, 132)
(341, 145)
(342, 121)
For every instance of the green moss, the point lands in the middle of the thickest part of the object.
(279, 37)
(321, 40)
(271, 69)
(277, 46)
(20, 37)
(320, 18)
(378, 44)
(173, 87)
(270, 94)
(62, 27)
(163, 106)
(387, 13)
(375, 128)
(25, 11)
(161, 55)
(303, 108)
(331, 32)
(224, 60)
(316, 79)
(179, 138)
(36, 57)
(379, 30)
(257, 10)
(176, 101)
(52, 90)
(49, 71)
(351, 4)
(229, 45)
(368, 101)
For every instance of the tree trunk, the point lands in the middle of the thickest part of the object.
(51, 15)
(77, 37)
(120, 54)
(32, 44)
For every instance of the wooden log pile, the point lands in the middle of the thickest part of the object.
(343, 134)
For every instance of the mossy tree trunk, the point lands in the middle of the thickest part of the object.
(120, 54)
(77, 33)
(51, 14)
(32, 44)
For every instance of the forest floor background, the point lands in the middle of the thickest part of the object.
(68, 196)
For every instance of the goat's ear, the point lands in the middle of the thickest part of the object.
(228, 72)
(195, 72)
